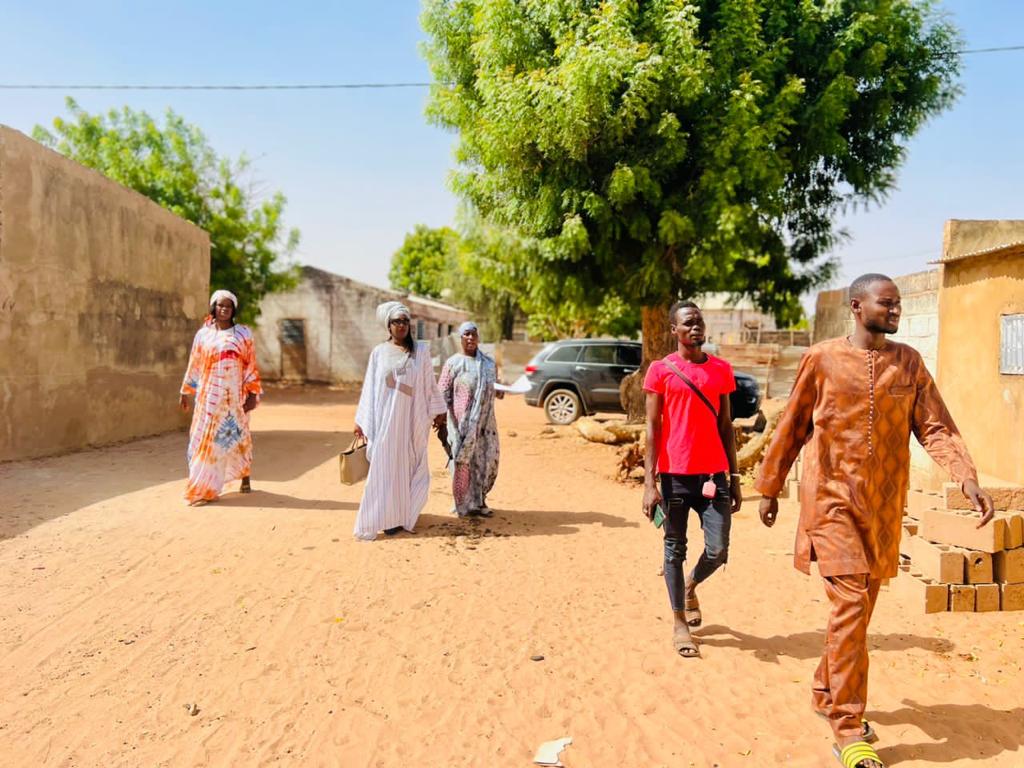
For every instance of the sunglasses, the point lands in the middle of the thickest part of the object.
(399, 321)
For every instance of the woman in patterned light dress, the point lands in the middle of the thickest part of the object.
(223, 378)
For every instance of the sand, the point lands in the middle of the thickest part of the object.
(136, 631)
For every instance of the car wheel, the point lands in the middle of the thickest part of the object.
(562, 406)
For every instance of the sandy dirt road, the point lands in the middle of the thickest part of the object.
(300, 646)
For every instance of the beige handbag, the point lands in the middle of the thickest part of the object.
(354, 466)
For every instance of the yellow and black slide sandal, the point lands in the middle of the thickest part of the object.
(867, 733)
(859, 754)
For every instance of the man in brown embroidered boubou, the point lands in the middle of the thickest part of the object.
(855, 402)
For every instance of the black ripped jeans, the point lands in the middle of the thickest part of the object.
(680, 494)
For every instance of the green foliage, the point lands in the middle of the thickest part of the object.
(174, 166)
(505, 265)
(425, 262)
(440, 264)
(653, 149)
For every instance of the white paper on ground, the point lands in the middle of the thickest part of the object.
(547, 753)
(519, 387)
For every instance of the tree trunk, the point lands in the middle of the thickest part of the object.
(658, 342)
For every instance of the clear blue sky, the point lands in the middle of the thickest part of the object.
(361, 168)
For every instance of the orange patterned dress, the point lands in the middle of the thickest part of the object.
(221, 374)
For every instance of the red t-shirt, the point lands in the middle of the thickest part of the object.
(690, 444)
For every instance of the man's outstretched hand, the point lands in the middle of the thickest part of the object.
(980, 499)
(769, 510)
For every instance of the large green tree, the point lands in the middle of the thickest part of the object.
(174, 165)
(665, 148)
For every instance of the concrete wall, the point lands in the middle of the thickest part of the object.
(919, 328)
(976, 291)
(101, 291)
(919, 325)
(341, 325)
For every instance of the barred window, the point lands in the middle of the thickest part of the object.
(293, 333)
(1011, 344)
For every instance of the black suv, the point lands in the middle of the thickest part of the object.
(574, 377)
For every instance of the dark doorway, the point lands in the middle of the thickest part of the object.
(293, 349)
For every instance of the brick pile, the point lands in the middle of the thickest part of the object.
(955, 566)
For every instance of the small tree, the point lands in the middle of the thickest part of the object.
(174, 166)
(441, 264)
(425, 262)
(673, 147)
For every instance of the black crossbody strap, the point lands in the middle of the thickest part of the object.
(691, 385)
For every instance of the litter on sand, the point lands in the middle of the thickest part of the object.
(547, 753)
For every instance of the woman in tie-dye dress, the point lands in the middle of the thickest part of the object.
(223, 378)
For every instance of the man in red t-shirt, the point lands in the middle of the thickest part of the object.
(691, 445)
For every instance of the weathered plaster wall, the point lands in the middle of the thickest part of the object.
(976, 291)
(101, 291)
(963, 236)
(341, 325)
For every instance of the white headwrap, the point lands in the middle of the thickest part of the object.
(389, 310)
(467, 326)
(222, 294)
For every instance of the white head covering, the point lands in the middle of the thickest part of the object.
(222, 294)
(469, 325)
(389, 310)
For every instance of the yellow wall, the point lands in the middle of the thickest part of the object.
(988, 406)
(101, 291)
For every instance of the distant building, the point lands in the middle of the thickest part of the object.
(323, 329)
(733, 320)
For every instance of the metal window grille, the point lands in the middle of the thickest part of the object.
(1011, 344)
(293, 332)
(421, 329)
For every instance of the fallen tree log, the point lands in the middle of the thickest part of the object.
(753, 450)
(609, 432)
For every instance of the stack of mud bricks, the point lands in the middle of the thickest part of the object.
(791, 489)
(956, 566)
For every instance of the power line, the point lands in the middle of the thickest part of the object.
(321, 86)
(262, 87)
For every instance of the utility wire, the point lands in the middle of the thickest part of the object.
(322, 86)
(266, 87)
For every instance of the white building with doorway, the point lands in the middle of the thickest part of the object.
(323, 329)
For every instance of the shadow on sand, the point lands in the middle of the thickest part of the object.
(950, 727)
(268, 500)
(511, 523)
(39, 490)
(808, 645)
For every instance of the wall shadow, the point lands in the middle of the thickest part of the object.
(266, 499)
(309, 394)
(280, 455)
(39, 490)
(971, 732)
(808, 645)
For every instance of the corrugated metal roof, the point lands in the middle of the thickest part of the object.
(1006, 249)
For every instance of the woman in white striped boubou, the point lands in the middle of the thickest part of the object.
(399, 403)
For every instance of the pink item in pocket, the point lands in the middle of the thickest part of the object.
(709, 489)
